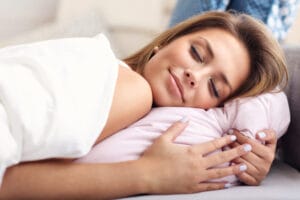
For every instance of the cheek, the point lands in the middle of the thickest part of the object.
(150, 70)
(203, 99)
(183, 59)
(176, 55)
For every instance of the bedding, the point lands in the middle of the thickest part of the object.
(55, 98)
(249, 115)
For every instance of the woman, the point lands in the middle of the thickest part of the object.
(198, 50)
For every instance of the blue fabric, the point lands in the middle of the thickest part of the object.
(257, 9)
(278, 15)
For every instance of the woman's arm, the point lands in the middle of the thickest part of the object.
(165, 168)
(260, 159)
(66, 180)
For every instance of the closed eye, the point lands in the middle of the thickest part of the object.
(214, 88)
(195, 54)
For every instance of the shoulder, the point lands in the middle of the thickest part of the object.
(133, 91)
(135, 85)
(132, 100)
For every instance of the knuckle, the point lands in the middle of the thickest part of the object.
(161, 141)
(270, 157)
(251, 182)
(232, 154)
(163, 138)
(192, 188)
(224, 156)
(211, 187)
(271, 132)
(219, 159)
(193, 166)
(219, 173)
(192, 152)
(216, 144)
(263, 171)
(236, 169)
(256, 183)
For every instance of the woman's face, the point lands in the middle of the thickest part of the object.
(200, 70)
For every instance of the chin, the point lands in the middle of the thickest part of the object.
(159, 102)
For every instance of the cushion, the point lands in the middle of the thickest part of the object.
(86, 24)
(282, 183)
(290, 142)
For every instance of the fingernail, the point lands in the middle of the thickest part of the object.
(184, 119)
(230, 132)
(262, 135)
(227, 185)
(243, 167)
(232, 137)
(247, 147)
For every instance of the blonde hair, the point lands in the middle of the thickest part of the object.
(267, 62)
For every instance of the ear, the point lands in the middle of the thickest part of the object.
(155, 49)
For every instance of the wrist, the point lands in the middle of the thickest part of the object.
(146, 176)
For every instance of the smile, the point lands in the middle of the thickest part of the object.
(176, 86)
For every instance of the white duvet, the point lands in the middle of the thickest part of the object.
(54, 98)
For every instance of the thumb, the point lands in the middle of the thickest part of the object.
(175, 129)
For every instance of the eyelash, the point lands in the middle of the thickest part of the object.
(214, 88)
(197, 57)
(195, 54)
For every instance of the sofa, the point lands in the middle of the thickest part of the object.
(284, 178)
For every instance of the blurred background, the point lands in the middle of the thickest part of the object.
(129, 24)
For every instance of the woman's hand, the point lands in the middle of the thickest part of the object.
(260, 159)
(176, 168)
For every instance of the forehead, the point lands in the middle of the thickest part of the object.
(222, 43)
(215, 36)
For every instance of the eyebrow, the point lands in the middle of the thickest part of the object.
(208, 48)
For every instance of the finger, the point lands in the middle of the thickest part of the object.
(211, 186)
(226, 156)
(267, 136)
(251, 169)
(259, 149)
(207, 147)
(215, 173)
(175, 129)
(257, 167)
(247, 179)
(252, 158)
(237, 160)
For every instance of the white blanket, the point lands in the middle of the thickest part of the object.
(55, 98)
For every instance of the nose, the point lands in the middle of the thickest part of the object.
(190, 78)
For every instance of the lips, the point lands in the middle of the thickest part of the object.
(178, 85)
